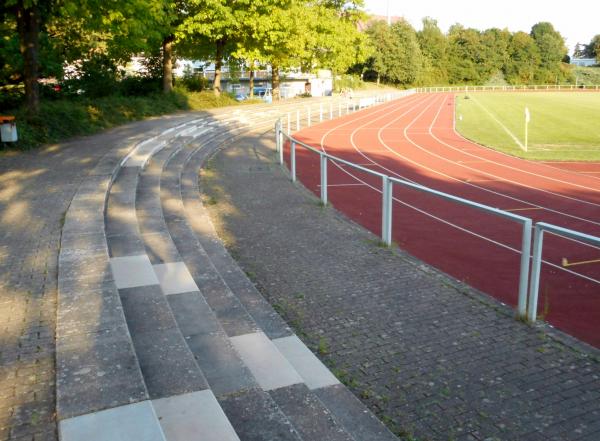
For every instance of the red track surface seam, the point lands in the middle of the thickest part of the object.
(414, 138)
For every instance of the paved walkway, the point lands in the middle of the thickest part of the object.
(431, 357)
(36, 189)
(124, 316)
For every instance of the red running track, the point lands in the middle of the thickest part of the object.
(414, 138)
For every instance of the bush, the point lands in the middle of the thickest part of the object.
(194, 83)
(139, 86)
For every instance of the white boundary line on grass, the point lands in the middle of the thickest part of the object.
(500, 124)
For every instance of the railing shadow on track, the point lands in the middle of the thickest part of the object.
(527, 305)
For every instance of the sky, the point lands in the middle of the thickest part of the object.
(577, 22)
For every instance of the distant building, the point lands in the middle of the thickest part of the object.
(584, 61)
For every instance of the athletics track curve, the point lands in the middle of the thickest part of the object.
(414, 138)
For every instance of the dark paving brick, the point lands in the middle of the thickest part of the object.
(430, 356)
(167, 364)
(255, 417)
(308, 415)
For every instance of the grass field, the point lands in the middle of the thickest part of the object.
(564, 126)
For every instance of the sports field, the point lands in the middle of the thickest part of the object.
(564, 126)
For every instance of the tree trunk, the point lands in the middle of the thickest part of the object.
(28, 26)
(218, 66)
(251, 81)
(378, 78)
(275, 82)
(167, 47)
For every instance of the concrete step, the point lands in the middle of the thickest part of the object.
(161, 336)
(281, 364)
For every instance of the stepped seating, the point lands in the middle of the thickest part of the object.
(161, 336)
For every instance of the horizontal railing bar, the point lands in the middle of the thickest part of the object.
(458, 199)
(571, 234)
(334, 158)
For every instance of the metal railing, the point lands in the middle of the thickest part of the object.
(528, 280)
(387, 183)
(538, 240)
(523, 88)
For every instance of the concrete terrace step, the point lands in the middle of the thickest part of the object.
(161, 336)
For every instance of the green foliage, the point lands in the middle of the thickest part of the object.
(587, 75)
(193, 82)
(592, 49)
(397, 56)
(466, 55)
(64, 118)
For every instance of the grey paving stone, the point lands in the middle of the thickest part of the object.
(132, 271)
(193, 314)
(95, 372)
(133, 422)
(196, 415)
(125, 244)
(314, 373)
(174, 278)
(167, 364)
(269, 367)
(220, 363)
(89, 311)
(350, 413)
(261, 311)
(256, 417)
(160, 248)
(308, 415)
(146, 309)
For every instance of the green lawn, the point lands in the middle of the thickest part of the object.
(564, 125)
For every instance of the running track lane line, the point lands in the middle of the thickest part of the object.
(421, 165)
(502, 245)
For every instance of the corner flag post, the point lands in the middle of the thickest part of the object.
(527, 119)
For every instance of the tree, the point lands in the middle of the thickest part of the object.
(523, 60)
(30, 17)
(552, 50)
(434, 47)
(465, 56)
(397, 57)
(592, 49)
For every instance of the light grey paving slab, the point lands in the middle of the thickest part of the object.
(175, 278)
(143, 152)
(310, 368)
(267, 364)
(132, 271)
(133, 422)
(194, 416)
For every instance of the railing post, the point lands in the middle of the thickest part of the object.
(277, 139)
(289, 124)
(339, 109)
(298, 120)
(330, 110)
(280, 147)
(534, 284)
(386, 211)
(293, 159)
(320, 112)
(524, 273)
(323, 178)
(309, 116)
